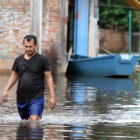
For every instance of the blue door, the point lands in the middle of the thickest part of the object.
(81, 27)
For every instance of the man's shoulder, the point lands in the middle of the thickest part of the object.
(20, 57)
(40, 56)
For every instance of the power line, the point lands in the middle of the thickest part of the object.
(118, 6)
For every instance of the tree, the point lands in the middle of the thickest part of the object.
(115, 14)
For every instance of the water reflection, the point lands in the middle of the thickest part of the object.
(102, 83)
(79, 98)
(87, 108)
(101, 90)
(98, 97)
(29, 130)
(78, 131)
(86, 90)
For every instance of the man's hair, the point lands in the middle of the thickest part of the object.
(29, 38)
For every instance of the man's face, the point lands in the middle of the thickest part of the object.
(29, 47)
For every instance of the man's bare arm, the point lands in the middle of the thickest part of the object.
(12, 80)
(50, 84)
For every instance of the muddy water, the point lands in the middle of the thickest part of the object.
(87, 108)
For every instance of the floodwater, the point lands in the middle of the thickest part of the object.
(88, 108)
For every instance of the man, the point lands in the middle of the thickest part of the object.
(30, 69)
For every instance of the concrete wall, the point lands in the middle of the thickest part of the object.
(118, 41)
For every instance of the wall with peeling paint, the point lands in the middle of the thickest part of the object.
(15, 24)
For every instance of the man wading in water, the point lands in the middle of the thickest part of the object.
(30, 69)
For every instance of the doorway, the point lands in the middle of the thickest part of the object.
(78, 20)
(70, 31)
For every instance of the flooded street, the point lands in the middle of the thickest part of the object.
(97, 108)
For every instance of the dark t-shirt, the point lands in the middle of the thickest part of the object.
(31, 76)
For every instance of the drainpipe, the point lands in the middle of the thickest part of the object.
(36, 22)
(139, 39)
(130, 17)
(40, 26)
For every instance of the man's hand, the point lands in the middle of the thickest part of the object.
(50, 84)
(52, 103)
(11, 82)
(5, 96)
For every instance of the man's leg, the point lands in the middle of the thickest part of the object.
(34, 117)
(23, 110)
(36, 108)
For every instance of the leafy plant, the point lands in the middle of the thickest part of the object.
(115, 14)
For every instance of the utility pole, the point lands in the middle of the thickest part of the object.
(130, 35)
(139, 39)
(93, 39)
(36, 22)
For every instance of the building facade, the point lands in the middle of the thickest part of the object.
(56, 26)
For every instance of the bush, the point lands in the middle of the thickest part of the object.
(114, 14)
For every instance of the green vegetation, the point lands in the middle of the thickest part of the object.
(115, 14)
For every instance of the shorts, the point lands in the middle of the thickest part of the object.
(33, 107)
